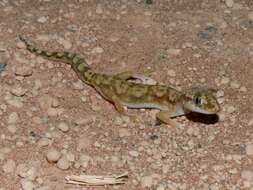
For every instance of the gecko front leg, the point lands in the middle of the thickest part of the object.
(166, 117)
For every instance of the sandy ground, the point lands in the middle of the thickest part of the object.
(52, 125)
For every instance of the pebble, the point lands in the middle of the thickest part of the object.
(250, 15)
(13, 118)
(42, 19)
(124, 133)
(53, 155)
(249, 149)
(97, 50)
(147, 181)
(18, 91)
(22, 170)
(171, 73)
(54, 111)
(243, 89)
(27, 184)
(174, 52)
(229, 3)
(99, 9)
(63, 163)
(24, 71)
(9, 166)
(133, 153)
(32, 173)
(43, 142)
(63, 126)
(20, 45)
(70, 157)
(231, 109)
(84, 160)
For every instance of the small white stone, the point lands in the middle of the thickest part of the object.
(13, 118)
(231, 109)
(43, 142)
(24, 71)
(63, 163)
(53, 155)
(32, 173)
(174, 52)
(97, 50)
(247, 175)
(70, 157)
(243, 89)
(171, 73)
(20, 45)
(42, 19)
(18, 91)
(99, 9)
(229, 3)
(9, 166)
(27, 184)
(147, 181)
(133, 153)
(63, 126)
(249, 149)
(84, 161)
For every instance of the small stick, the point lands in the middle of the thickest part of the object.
(97, 180)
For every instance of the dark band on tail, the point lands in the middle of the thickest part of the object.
(73, 59)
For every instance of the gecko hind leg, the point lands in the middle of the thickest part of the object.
(130, 75)
(110, 96)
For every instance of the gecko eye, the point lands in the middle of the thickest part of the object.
(197, 100)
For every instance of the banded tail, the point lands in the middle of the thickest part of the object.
(75, 60)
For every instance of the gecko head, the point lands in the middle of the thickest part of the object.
(202, 100)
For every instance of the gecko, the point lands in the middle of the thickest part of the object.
(121, 92)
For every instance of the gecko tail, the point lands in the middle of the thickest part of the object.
(70, 58)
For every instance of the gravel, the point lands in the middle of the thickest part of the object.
(53, 125)
(53, 155)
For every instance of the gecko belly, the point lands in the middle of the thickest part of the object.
(145, 105)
